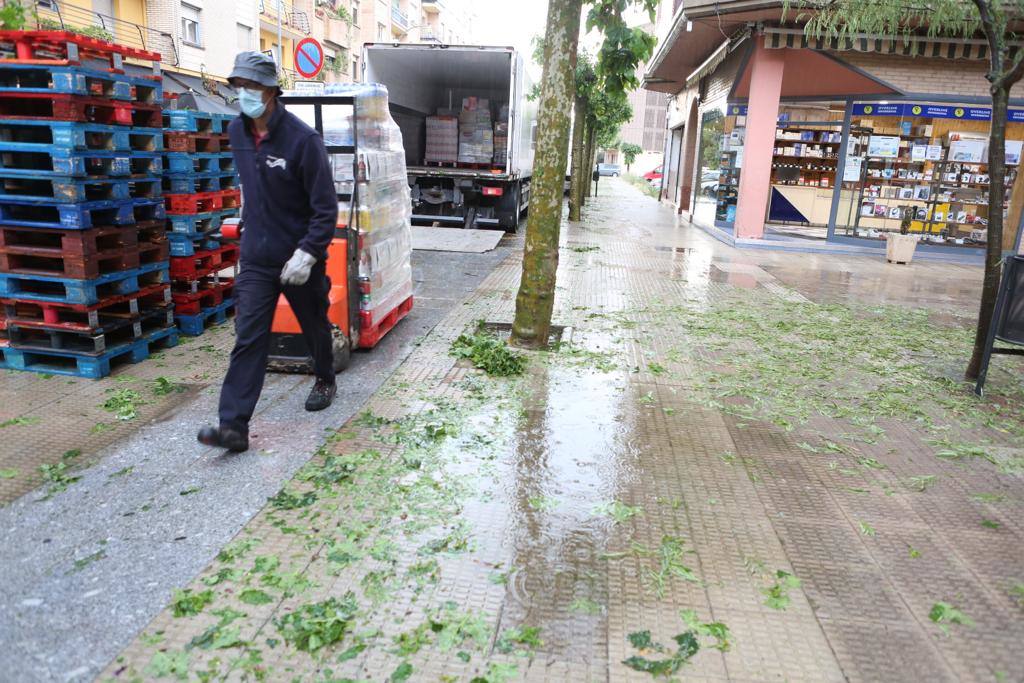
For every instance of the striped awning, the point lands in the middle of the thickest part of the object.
(718, 56)
(910, 46)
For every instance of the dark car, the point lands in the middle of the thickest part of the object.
(612, 170)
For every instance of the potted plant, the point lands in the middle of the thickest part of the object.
(899, 248)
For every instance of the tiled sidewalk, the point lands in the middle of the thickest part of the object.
(741, 452)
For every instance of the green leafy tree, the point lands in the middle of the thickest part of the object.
(630, 152)
(622, 50)
(995, 20)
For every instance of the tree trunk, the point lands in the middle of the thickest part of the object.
(994, 244)
(536, 297)
(578, 174)
(579, 189)
(591, 156)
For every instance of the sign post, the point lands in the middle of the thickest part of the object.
(309, 57)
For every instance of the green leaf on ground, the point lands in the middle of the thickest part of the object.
(163, 386)
(316, 625)
(944, 614)
(57, 477)
(585, 606)
(165, 664)
(866, 529)
(777, 595)
(618, 511)
(1017, 593)
(84, 562)
(542, 502)
(914, 552)
(124, 403)
(497, 672)
(20, 421)
(488, 353)
(402, 673)
(254, 596)
(188, 603)
(8, 473)
(286, 500)
(123, 472)
(921, 483)
(990, 524)
(520, 640)
(190, 490)
(989, 497)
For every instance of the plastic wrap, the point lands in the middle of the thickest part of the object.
(384, 211)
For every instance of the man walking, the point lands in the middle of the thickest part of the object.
(289, 215)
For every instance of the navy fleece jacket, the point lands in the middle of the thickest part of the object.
(288, 189)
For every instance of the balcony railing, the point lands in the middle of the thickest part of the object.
(51, 14)
(291, 17)
(399, 18)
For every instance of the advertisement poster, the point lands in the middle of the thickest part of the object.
(851, 173)
(918, 153)
(1013, 149)
(885, 146)
(934, 153)
(967, 151)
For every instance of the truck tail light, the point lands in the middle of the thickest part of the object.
(493, 191)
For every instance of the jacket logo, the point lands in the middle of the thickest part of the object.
(277, 162)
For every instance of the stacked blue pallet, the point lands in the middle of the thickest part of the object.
(84, 267)
(201, 191)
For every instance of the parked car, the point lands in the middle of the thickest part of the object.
(709, 183)
(612, 170)
(653, 175)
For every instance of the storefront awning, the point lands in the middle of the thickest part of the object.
(717, 57)
(911, 46)
(810, 74)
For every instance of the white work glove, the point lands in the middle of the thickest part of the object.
(296, 271)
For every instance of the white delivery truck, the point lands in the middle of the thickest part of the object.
(442, 83)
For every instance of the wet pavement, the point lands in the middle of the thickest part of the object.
(745, 466)
(86, 567)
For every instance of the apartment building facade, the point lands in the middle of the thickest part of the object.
(199, 39)
(445, 22)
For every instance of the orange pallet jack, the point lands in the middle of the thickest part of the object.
(352, 328)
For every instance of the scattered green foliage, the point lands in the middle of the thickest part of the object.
(1017, 593)
(777, 595)
(315, 625)
(57, 477)
(989, 498)
(943, 614)
(254, 596)
(542, 503)
(402, 673)
(286, 500)
(123, 472)
(990, 524)
(84, 562)
(188, 603)
(520, 640)
(8, 473)
(921, 483)
(669, 565)
(221, 635)
(190, 490)
(618, 511)
(124, 403)
(585, 606)
(167, 664)
(20, 422)
(688, 644)
(582, 249)
(866, 529)
(488, 353)
(163, 386)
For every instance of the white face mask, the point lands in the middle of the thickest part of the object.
(251, 102)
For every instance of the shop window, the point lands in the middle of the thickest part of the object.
(720, 158)
(190, 25)
(921, 169)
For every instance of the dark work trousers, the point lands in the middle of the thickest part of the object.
(257, 289)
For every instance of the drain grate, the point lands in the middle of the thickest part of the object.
(503, 331)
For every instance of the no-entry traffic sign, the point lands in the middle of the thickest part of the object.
(309, 57)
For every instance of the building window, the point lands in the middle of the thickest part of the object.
(244, 37)
(190, 32)
(382, 31)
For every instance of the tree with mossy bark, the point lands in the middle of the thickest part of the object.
(622, 50)
(997, 21)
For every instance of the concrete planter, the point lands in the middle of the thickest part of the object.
(900, 248)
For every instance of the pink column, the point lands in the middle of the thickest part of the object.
(762, 116)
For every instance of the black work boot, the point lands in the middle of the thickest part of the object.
(321, 396)
(223, 437)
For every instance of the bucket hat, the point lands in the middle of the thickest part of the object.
(255, 66)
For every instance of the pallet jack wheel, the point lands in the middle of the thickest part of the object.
(288, 353)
